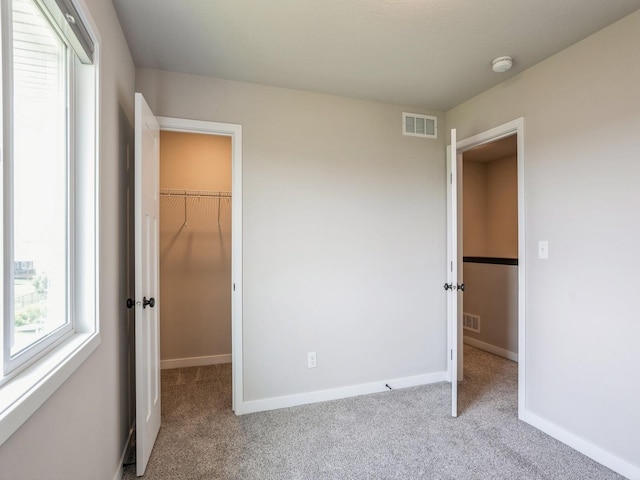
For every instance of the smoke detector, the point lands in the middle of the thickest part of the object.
(501, 64)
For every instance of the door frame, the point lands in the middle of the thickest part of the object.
(234, 131)
(505, 130)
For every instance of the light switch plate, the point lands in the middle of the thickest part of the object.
(543, 249)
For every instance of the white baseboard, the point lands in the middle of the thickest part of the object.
(125, 450)
(617, 464)
(487, 347)
(337, 393)
(194, 361)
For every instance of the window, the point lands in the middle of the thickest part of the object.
(38, 218)
(49, 203)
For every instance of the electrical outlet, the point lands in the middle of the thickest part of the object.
(311, 359)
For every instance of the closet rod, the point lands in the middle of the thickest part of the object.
(166, 192)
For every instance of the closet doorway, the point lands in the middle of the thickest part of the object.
(490, 247)
(195, 249)
(502, 139)
(171, 356)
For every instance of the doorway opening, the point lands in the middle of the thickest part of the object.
(216, 202)
(195, 249)
(491, 249)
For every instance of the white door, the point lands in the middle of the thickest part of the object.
(453, 288)
(147, 148)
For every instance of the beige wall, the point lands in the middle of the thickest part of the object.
(490, 208)
(502, 208)
(474, 209)
(491, 292)
(581, 168)
(195, 259)
(343, 233)
(195, 161)
(80, 432)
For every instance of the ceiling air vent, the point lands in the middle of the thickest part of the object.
(416, 125)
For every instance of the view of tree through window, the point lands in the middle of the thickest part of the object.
(40, 177)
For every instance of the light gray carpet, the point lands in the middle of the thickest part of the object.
(400, 434)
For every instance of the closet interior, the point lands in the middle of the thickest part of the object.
(490, 247)
(195, 249)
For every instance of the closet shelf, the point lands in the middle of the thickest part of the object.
(169, 192)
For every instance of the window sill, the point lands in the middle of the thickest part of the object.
(21, 396)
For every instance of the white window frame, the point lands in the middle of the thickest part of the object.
(24, 389)
(44, 344)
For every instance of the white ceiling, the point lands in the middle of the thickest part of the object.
(422, 53)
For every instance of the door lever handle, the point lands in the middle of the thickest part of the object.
(151, 302)
(450, 286)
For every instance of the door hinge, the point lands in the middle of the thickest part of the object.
(451, 354)
(234, 287)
